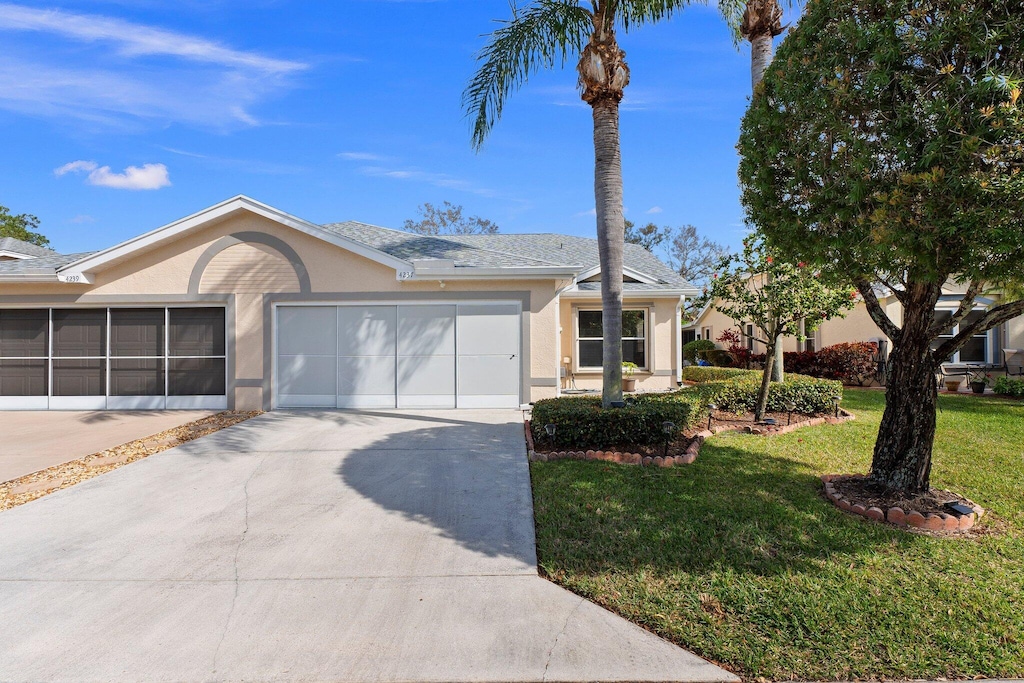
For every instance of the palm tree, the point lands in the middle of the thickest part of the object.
(548, 33)
(758, 21)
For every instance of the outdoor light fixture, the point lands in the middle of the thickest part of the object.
(835, 402)
(768, 421)
(711, 413)
(668, 429)
(790, 407)
(958, 508)
(618, 404)
(550, 431)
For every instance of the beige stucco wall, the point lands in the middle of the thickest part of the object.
(247, 271)
(662, 340)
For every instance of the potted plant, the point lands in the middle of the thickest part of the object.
(628, 382)
(979, 382)
(953, 385)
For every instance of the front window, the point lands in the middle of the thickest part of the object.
(590, 338)
(976, 348)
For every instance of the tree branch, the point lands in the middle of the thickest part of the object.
(966, 306)
(877, 313)
(994, 316)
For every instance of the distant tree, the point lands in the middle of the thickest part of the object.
(778, 297)
(650, 236)
(694, 257)
(886, 147)
(448, 220)
(21, 227)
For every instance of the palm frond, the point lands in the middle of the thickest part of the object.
(544, 34)
(633, 13)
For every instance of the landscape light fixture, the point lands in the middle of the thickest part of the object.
(790, 407)
(957, 507)
(668, 429)
(711, 414)
(618, 404)
(550, 431)
(835, 402)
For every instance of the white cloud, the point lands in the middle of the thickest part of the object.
(436, 179)
(82, 218)
(655, 209)
(74, 167)
(360, 156)
(588, 212)
(135, 40)
(145, 177)
(110, 72)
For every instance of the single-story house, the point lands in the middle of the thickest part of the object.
(990, 348)
(242, 306)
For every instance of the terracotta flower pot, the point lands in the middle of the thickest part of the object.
(628, 384)
(952, 385)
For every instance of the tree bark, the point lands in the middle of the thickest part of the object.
(610, 239)
(902, 459)
(778, 362)
(760, 57)
(761, 407)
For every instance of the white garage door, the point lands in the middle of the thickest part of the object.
(462, 355)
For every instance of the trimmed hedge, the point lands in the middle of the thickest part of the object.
(1008, 386)
(691, 349)
(739, 395)
(581, 423)
(699, 373)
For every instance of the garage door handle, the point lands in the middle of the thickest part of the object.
(512, 356)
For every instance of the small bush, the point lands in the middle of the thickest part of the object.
(719, 358)
(739, 395)
(581, 423)
(696, 373)
(1008, 386)
(849, 363)
(690, 349)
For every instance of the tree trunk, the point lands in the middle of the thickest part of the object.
(761, 407)
(778, 362)
(760, 57)
(902, 460)
(610, 239)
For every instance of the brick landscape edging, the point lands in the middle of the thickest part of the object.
(940, 523)
(692, 451)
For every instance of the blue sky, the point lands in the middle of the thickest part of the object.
(343, 110)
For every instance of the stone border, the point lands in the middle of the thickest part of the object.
(692, 451)
(940, 523)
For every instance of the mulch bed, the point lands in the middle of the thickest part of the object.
(726, 419)
(861, 490)
(36, 485)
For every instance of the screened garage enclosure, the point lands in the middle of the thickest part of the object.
(113, 358)
(464, 355)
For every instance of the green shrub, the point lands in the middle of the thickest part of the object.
(1008, 386)
(719, 358)
(581, 423)
(739, 395)
(699, 373)
(690, 349)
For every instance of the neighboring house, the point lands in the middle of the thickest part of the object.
(243, 306)
(14, 249)
(857, 326)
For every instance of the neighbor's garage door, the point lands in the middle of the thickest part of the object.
(462, 355)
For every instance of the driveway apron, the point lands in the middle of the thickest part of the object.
(309, 546)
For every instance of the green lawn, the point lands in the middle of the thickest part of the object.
(740, 559)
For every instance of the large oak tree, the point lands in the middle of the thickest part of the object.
(887, 148)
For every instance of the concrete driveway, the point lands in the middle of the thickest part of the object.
(327, 546)
(35, 440)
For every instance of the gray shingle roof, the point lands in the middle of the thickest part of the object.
(24, 248)
(505, 250)
(42, 265)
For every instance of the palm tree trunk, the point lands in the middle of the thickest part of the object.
(610, 239)
(760, 57)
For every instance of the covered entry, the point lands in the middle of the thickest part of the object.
(443, 355)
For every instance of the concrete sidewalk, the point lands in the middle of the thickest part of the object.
(35, 440)
(323, 546)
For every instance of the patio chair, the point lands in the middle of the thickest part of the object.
(1013, 361)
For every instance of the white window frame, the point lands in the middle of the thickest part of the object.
(577, 338)
(952, 307)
